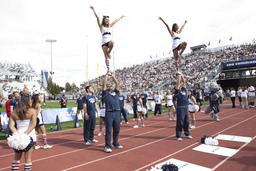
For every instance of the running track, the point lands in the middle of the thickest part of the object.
(148, 146)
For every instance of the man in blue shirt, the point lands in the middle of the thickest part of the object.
(144, 98)
(134, 104)
(79, 103)
(112, 117)
(182, 111)
(90, 109)
(121, 102)
(14, 101)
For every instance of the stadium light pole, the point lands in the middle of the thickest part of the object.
(51, 41)
(87, 63)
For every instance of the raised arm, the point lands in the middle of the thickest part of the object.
(183, 81)
(178, 82)
(104, 85)
(180, 30)
(114, 22)
(168, 28)
(115, 81)
(98, 20)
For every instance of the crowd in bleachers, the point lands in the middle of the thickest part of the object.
(194, 66)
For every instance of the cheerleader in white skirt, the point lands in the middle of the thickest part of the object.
(191, 110)
(25, 118)
(102, 115)
(169, 104)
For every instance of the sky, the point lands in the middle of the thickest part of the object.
(25, 25)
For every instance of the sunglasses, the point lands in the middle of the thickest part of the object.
(105, 16)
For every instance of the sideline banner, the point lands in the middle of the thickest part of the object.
(238, 64)
(65, 114)
(49, 116)
(4, 120)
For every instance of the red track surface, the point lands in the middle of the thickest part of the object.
(148, 146)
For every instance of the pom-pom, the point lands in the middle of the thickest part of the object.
(208, 140)
(144, 111)
(18, 141)
(165, 167)
(196, 108)
(169, 167)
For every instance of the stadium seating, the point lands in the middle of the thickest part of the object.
(197, 68)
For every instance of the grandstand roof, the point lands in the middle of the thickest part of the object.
(16, 69)
(198, 47)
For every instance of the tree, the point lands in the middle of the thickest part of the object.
(68, 87)
(53, 88)
(74, 86)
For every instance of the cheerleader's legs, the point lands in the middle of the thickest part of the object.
(110, 46)
(107, 57)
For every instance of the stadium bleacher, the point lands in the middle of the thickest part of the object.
(16, 76)
(197, 68)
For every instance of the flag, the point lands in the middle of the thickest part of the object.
(220, 41)
(209, 43)
(170, 51)
(150, 56)
(230, 39)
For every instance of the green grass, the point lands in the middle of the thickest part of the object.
(70, 124)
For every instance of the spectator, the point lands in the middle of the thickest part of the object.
(134, 104)
(8, 112)
(251, 96)
(158, 102)
(63, 101)
(233, 97)
(244, 96)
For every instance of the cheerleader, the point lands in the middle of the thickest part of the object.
(169, 104)
(102, 115)
(25, 118)
(107, 42)
(191, 110)
(139, 111)
(40, 123)
(177, 47)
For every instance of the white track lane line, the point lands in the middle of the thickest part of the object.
(223, 161)
(150, 144)
(128, 129)
(119, 140)
(192, 144)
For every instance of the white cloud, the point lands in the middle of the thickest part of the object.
(26, 24)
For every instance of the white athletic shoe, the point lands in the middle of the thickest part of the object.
(120, 123)
(94, 141)
(46, 146)
(143, 125)
(127, 123)
(170, 119)
(178, 139)
(107, 150)
(118, 147)
(37, 147)
(192, 126)
(99, 134)
(135, 126)
(87, 143)
(188, 137)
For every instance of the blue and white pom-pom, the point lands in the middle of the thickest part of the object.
(18, 141)
(208, 140)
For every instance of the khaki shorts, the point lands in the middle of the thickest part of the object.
(80, 111)
(251, 99)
